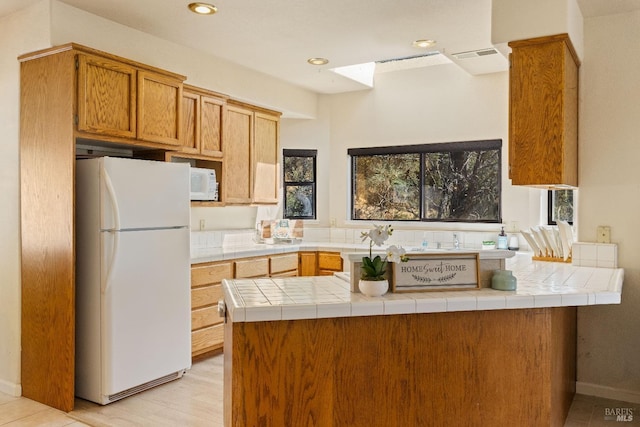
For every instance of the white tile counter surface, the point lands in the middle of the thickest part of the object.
(540, 284)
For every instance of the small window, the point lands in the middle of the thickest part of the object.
(299, 184)
(459, 181)
(559, 206)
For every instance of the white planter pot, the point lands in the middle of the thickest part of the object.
(373, 288)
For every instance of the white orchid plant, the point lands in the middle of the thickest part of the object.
(375, 268)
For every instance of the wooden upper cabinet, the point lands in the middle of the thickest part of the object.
(159, 108)
(251, 137)
(543, 112)
(106, 97)
(202, 118)
(130, 102)
(265, 159)
(238, 131)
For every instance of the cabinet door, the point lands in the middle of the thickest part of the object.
(106, 97)
(328, 262)
(265, 159)
(159, 108)
(190, 122)
(238, 132)
(543, 112)
(211, 126)
(308, 264)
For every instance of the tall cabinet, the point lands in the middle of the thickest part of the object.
(543, 112)
(74, 94)
(70, 93)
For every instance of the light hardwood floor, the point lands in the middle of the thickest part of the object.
(196, 400)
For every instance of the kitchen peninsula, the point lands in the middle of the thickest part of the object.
(307, 351)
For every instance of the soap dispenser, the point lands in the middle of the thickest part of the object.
(502, 239)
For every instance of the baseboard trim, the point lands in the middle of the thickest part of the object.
(607, 392)
(12, 389)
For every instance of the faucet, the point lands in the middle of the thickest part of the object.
(456, 243)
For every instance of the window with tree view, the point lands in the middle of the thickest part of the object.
(560, 206)
(299, 184)
(458, 181)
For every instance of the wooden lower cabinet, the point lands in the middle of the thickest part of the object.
(283, 265)
(474, 368)
(251, 267)
(206, 289)
(329, 263)
(308, 263)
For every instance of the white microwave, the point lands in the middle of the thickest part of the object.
(203, 184)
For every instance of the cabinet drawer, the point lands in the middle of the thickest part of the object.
(207, 339)
(211, 273)
(329, 261)
(283, 263)
(206, 295)
(205, 317)
(255, 267)
(293, 273)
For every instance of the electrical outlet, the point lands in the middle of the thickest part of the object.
(604, 234)
(333, 222)
(201, 224)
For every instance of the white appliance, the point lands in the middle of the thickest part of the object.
(203, 184)
(133, 318)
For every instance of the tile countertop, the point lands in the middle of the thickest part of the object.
(203, 255)
(540, 284)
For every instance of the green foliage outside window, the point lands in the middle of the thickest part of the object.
(431, 182)
(299, 172)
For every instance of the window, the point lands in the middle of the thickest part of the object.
(299, 184)
(458, 181)
(559, 206)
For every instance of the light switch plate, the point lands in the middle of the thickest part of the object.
(603, 234)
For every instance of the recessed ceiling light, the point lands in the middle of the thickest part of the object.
(203, 8)
(423, 43)
(318, 61)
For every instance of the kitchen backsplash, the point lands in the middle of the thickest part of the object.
(584, 254)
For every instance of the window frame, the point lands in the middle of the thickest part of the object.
(311, 153)
(421, 149)
(550, 204)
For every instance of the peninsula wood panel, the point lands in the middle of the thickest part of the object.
(543, 110)
(47, 166)
(482, 368)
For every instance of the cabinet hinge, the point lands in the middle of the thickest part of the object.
(75, 119)
(77, 64)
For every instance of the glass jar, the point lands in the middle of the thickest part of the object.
(503, 280)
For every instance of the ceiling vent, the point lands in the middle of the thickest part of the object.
(474, 53)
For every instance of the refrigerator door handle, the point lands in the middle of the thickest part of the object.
(115, 231)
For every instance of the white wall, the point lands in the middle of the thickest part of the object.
(436, 104)
(609, 152)
(21, 32)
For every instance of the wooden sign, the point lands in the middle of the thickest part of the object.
(437, 272)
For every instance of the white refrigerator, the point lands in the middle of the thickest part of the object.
(133, 318)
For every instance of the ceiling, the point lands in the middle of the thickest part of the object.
(277, 37)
